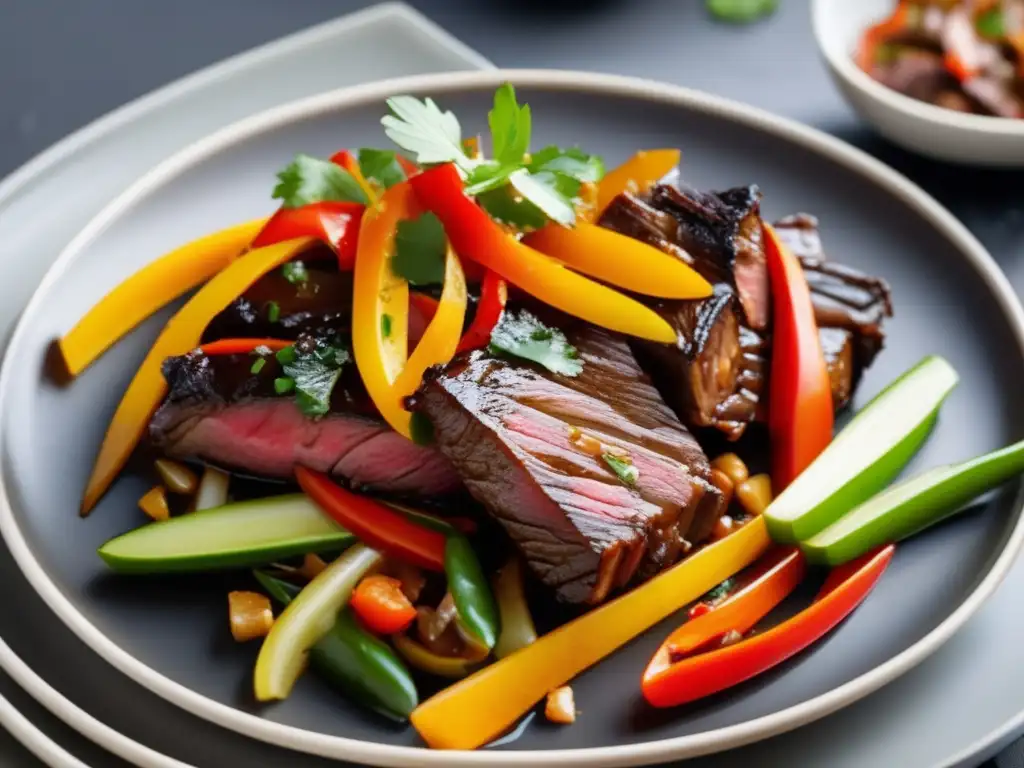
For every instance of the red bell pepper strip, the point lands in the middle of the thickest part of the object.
(668, 683)
(776, 575)
(349, 162)
(376, 525)
(334, 223)
(800, 413)
(474, 235)
(493, 295)
(381, 605)
(242, 346)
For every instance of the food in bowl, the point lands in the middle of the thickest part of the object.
(438, 389)
(963, 55)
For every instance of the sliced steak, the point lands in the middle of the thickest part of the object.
(528, 445)
(843, 297)
(219, 412)
(712, 377)
(721, 231)
(837, 347)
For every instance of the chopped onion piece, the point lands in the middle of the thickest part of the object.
(560, 706)
(176, 476)
(250, 615)
(213, 489)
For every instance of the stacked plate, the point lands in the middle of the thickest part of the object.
(163, 636)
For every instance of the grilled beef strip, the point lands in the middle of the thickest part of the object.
(522, 439)
(219, 412)
(721, 232)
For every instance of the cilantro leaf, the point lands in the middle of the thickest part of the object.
(553, 193)
(273, 311)
(295, 272)
(522, 335)
(385, 325)
(720, 592)
(740, 11)
(990, 23)
(623, 468)
(510, 126)
(312, 180)
(421, 429)
(313, 372)
(420, 127)
(487, 177)
(572, 162)
(382, 166)
(420, 249)
(507, 207)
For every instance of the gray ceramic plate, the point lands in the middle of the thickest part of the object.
(169, 635)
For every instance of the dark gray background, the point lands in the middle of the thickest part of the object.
(66, 62)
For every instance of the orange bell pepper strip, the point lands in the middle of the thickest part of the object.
(474, 235)
(778, 574)
(334, 223)
(150, 289)
(181, 334)
(621, 261)
(636, 175)
(668, 683)
(800, 413)
(493, 297)
(441, 338)
(381, 347)
(381, 605)
(242, 346)
(476, 710)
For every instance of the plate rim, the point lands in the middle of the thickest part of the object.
(376, 753)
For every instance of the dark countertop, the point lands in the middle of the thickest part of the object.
(65, 62)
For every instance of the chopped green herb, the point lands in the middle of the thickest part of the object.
(385, 325)
(421, 429)
(287, 355)
(522, 335)
(623, 468)
(295, 272)
(553, 193)
(543, 187)
(312, 180)
(314, 372)
(990, 24)
(284, 384)
(257, 366)
(506, 206)
(719, 593)
(273, 311)
(573, 162)
(420, 246)
(420, 127)
(741, 11)
(381, 166)
(510, 126)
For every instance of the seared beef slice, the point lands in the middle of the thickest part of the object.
(528, 445)
(217, 411)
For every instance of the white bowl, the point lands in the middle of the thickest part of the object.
(915, 125)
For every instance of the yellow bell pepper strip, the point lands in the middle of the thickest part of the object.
(149, 289)
(181, 334)
(777, 574)
(800, 412)
(422, 658)
(306, 620)
(618, 260)
(474, 235)
(479, 708)
(380, 346)
(636, 175)
(668, 683)
(439, 342)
